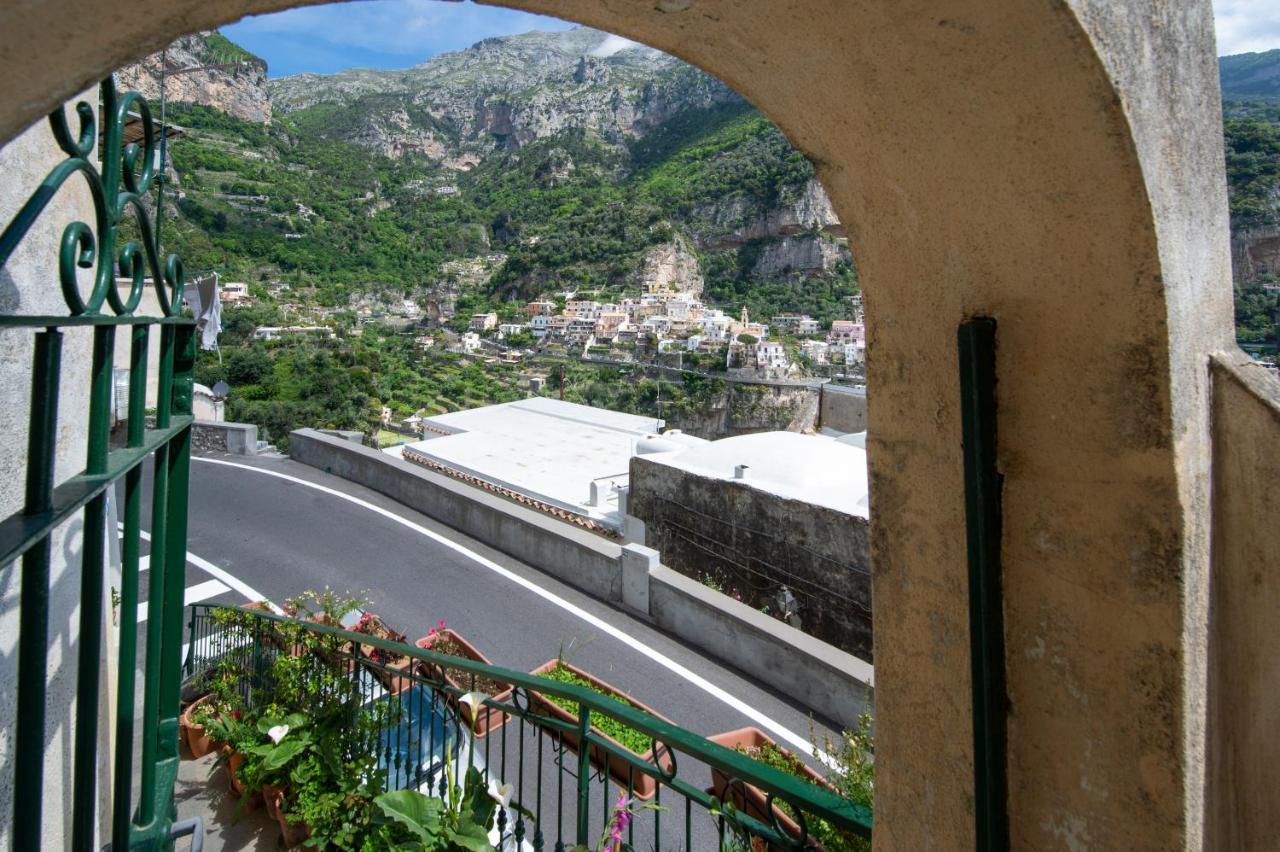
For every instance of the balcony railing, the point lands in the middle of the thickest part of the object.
(564, 776)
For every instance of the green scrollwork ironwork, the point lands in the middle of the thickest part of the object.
(118, 189)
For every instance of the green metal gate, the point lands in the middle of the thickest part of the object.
(144, 822)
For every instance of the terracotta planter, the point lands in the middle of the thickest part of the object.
(343, 655)
(388, 674)
(254, 801)
(643, 786)
(198, 742)
(749, 798)
(272, 794)
(489, 718)
(291, 833)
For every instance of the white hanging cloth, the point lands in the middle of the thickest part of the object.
(203, 298)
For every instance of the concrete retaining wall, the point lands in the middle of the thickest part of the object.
(843, 409)
(756, 543)
(209, 436)
(833, 684)
(820, 676)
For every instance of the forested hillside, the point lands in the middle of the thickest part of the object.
(1251, 108)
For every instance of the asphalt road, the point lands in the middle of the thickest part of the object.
(252, 531)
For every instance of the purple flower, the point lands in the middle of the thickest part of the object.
(621, 819)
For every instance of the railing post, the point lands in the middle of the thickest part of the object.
(584, 774)
(977, 349)
(33, 616)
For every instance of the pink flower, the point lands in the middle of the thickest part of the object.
(621, 819)
(442, 625)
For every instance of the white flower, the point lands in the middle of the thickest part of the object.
(474, 701)
(503, 794)
(277, 733)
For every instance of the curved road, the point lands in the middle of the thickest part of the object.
(273, 527)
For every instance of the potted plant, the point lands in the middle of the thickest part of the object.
(237, 736)
(754, 802)
(387, 664)
(291, 833)
(445, 640)
(192, 724)
(638, 743)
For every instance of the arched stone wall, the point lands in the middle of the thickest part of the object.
(1055, 165)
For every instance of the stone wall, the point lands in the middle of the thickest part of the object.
(744, 408)
(751, 544)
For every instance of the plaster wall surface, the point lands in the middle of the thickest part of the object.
(1056, 166)
(29, 285)
(1244, 645)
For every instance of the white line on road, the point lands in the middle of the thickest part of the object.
(194, 594)
(799, 742)
(225, 576)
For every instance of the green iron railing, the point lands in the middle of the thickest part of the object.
(565, 775)
(117, 190)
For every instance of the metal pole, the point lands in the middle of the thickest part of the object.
(977, 349)
(164, 143)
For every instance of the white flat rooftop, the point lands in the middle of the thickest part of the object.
(810, 468)
(544, 449)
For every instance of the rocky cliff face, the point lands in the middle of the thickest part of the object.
(1255, 252)
(672, 267)
(205, 69)
(736, 221)
(503, 93)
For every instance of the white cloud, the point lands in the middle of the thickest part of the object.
(1246, 26)
(611, 45)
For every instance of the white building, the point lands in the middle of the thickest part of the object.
(233, 291)
(559, 457)
(539, 324)
(772, 356)
(816, 351)
(507, 329)
(483, 322)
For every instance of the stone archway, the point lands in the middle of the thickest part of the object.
(1056, 166)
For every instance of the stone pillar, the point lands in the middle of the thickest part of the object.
(637, 562)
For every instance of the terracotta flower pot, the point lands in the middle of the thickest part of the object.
(389, 672)
(198, 742)
(254, 800)
(489, 718)
(749, 798)
(643, 786)
(291, 833)
(272, 794)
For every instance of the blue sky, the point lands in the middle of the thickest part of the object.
(375, 33)
(401, 33)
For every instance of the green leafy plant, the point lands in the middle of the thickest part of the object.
(637, 741)
(461, 821)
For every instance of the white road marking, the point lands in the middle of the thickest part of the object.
(144, 562)
(194, 594)
(780, 730)
(225, 576)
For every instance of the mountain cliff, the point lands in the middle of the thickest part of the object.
(205, 68)
(503, 93)
(561, 160)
